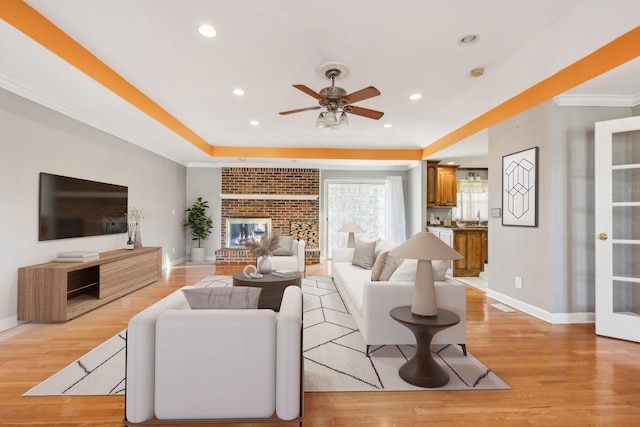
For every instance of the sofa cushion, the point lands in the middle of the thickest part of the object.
(384, 267)
(406, 271)
(440, 268)
(229, 297)
(364, 254)
(384, 246)
(284, 248)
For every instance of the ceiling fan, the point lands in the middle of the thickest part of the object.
(336, 100)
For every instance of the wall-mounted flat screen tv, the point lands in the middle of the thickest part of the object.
(72, 207)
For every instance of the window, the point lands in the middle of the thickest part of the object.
(355, 201)
(473, 201)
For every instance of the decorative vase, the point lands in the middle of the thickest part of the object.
(264, 266)
(137, 240)
(129, 244)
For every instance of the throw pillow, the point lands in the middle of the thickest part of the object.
(229, 297)
(384, 267)
(439, 269)
(390, 266)
(363, 254)
(406, 272)
(284, 248)
(378, 266)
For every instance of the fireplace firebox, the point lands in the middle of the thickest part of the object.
(239, 230)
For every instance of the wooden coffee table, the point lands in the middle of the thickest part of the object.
(422, 370)
(272, 287)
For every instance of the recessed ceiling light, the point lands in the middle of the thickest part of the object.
(254, 123)
(451, 163)
(468, 40)
(238, 92)
(388, 125)
(207, 31)
(415, 96)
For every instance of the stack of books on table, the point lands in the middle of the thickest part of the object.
(284, 273)
(77, 256)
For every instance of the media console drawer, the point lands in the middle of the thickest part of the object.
(61, 291)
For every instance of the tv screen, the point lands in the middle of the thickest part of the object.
(72, 207)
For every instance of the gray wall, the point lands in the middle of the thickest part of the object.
(555, 259)
(34, 139)
(206, 183)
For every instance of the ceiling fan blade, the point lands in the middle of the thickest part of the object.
(365, 112)
(362, 94)
(299, 110)
(308, 91)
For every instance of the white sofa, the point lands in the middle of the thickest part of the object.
(295, 262)
(370, 302)
(207, 364)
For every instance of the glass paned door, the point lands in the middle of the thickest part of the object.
(617, 178)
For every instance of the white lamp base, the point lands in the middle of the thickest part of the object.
(424, 292)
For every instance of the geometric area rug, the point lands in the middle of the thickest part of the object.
(334, 355)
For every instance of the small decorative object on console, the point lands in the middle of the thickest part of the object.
(284, 273)
(251, 274)
(77, 256)
(263, 248)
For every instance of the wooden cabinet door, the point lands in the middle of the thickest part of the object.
(469, 244)
(447, 186)
(432, 183)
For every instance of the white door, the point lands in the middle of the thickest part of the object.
(617, 232)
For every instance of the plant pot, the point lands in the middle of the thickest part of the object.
(197, 255)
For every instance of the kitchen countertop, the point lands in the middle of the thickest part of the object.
(453, 227)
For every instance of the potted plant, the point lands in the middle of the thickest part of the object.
(200, 226)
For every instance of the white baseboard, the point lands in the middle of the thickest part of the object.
(9, 322)
(553, 318)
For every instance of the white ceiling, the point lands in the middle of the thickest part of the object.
(264, 47)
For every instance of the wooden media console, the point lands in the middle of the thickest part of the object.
(58, 291)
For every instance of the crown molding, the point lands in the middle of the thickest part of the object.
(597, 100)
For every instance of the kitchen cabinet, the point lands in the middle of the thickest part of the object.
(442, 185)
(471, 243)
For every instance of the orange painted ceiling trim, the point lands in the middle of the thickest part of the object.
(315, 153)
(608, 57)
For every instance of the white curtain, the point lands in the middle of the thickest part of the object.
(396, 224)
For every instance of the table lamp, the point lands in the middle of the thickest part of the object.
(351, 228)
(424, 247)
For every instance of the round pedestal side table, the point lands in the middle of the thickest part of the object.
(422, 370)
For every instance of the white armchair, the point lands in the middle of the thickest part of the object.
(210, 364)
(296, 261)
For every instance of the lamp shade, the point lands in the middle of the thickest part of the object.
(351, 227)
(425, 245)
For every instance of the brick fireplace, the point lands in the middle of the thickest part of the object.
(288, 197)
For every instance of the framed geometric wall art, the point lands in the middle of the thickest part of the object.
(520, 188)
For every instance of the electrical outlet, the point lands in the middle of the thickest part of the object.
(518, 282)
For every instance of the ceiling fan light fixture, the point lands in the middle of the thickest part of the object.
(344, 120)
(330, 118)
(321, 122)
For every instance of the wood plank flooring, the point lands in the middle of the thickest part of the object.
(561, 375)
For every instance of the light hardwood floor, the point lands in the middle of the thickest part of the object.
(561, 375)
